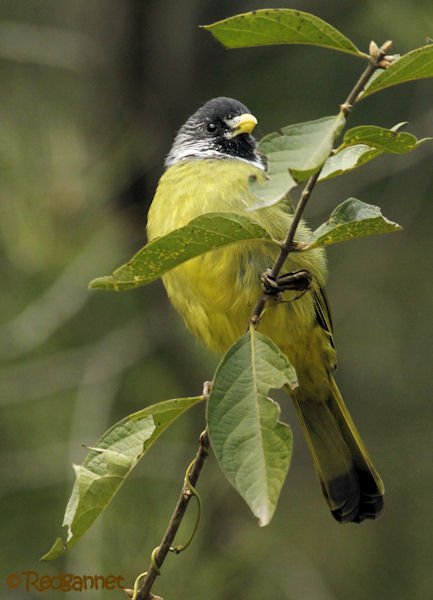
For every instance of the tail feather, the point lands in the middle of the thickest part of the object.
(350, 483)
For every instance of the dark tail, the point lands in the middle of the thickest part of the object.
(350, 483)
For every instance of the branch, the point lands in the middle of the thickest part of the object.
(160, 553)
(378, 60)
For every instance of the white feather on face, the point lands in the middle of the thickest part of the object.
(209, 133)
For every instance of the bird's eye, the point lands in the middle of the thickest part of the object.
(211, 127)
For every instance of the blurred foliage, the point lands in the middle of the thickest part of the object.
(92, 94)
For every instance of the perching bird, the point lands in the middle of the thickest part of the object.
(208, 170)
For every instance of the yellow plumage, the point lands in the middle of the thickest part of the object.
(204, 288)
(216, 292)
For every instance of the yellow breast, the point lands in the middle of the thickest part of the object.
(216, 292)
(191, 188)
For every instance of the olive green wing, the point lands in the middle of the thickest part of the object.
(323, 313)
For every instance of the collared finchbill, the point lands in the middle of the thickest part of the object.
(241, 124)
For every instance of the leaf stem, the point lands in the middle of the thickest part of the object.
(377, 56)
(160, 554)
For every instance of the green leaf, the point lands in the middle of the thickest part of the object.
(364, 143)
(200, 235)
(417, 64)
(347, 159)
(301, 148)
(252, 446)
(107, 466)
(350, 220)
(380, 138)
(277, 185)
(280, 26)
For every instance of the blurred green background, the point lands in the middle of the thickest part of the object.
(92, 94)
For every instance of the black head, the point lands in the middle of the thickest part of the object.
(221, 128)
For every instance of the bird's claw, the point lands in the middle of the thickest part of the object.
(296, 280)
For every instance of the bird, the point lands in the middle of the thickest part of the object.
(209, 168)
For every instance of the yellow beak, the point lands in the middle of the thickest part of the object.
(242, 124)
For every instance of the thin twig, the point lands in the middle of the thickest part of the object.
(377, 61)
(175, 521)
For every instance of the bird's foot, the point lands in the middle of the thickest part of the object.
(296, 280)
